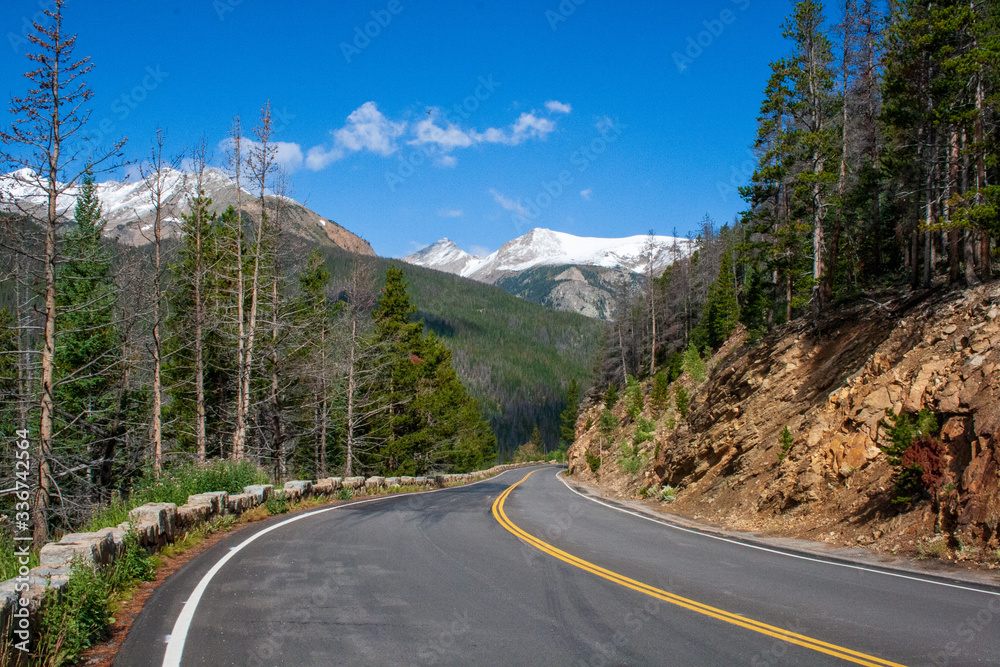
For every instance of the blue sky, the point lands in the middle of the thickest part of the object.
(410, 120)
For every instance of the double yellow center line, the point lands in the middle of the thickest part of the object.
(714, 612)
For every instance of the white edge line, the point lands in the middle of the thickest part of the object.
(175, 646)
(775, 551)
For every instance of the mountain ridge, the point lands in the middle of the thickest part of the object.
(566, 272)
(127, 206)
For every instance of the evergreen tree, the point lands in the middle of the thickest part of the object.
(721, 313)
(432, 420)
(88, 358)
(659, 396)
(567, 428)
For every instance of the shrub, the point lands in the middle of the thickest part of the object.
(904, 430)
(668, 494)
(921, 470)
(914, 453)
(607, 423)
(644, 431)
(632, 459)
(659, 396)
(592, 460)
(693, 364)
(345, 494)
(611, 397)
(681, 401)
(133, 564)
(529, 451)
(786, 440)
(279, 504)
(72, 622)
(634, 398)
(589, 425)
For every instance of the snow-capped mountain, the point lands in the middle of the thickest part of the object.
(128, 210)
(445, 256)
(526, 266)
(544, 247)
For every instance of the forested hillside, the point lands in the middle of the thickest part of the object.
(516, 357)
(877, 165)
(857, 399)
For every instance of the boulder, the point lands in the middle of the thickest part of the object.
(240, 503)
(154, 523)
(95, 549)
(260, 492)
(190, 515)
(391, 482)
(354, 482)
(303, 485)
(322, 487)
(407, 481)
(9, 597)
(217, 500)
(374, 483)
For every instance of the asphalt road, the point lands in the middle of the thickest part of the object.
(539, 575)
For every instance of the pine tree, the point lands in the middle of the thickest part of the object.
(88, 350)
(315, 315)
(188, 326)
(567, 419)
(722, 311)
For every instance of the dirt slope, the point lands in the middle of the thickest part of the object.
(938, 351)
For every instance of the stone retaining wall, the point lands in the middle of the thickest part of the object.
(158, 524)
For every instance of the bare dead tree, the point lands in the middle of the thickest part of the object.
(236, 165)
(47, 119)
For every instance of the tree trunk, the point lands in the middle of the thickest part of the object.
(351, 385)
(40, 512)
(157, 297)
(239, 429)
(954, 234)
(323, 406)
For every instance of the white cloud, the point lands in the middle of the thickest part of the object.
(446, 138)
(587, 194)
(479, 251)
(287, 155)
(319, 157)
(527, 126)
(558, 107)
(509, 204)
(368, 129)
(450, 212)
(450, 136)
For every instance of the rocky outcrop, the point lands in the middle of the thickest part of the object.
(939, 353)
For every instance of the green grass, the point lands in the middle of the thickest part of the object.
(9, 563)
(176, 484)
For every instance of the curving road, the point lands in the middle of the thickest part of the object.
(520, 569)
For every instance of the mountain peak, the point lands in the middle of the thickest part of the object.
(545, 247)
(127, 206)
